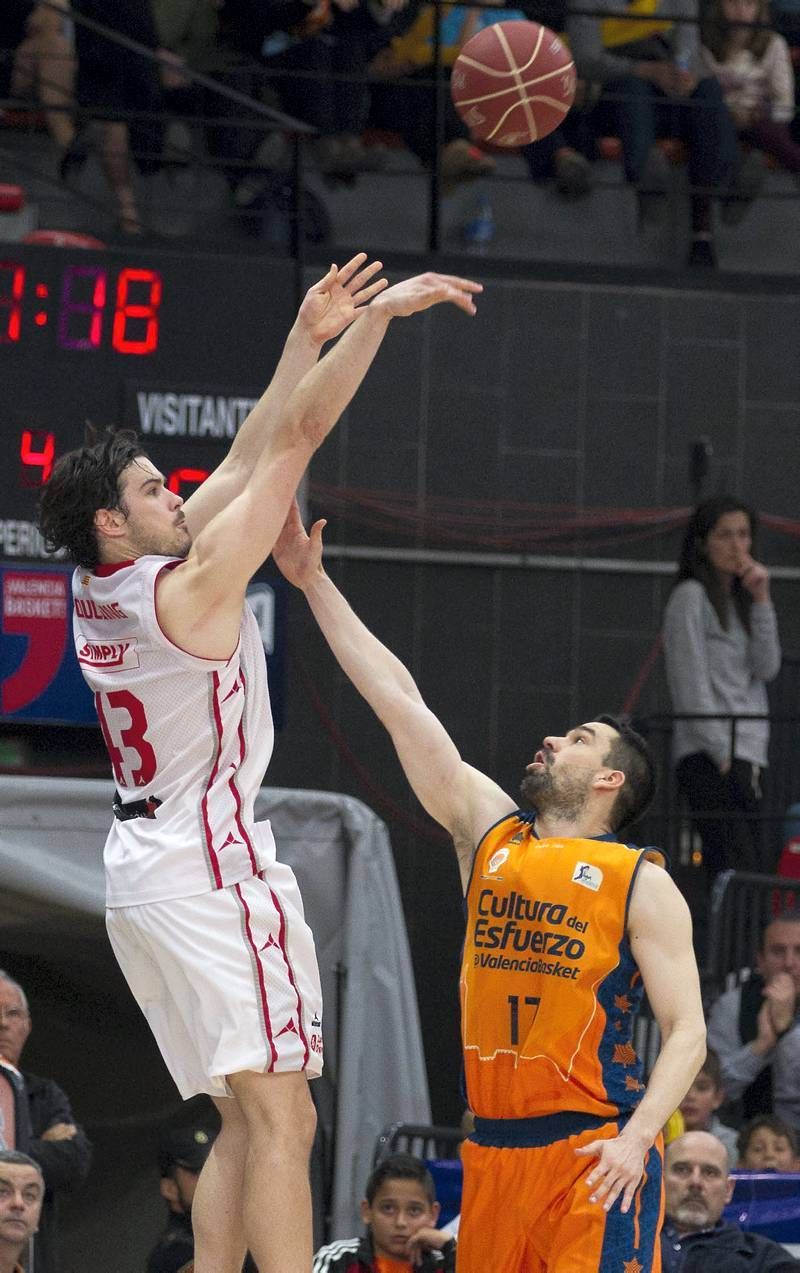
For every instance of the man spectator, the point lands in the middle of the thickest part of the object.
(694, 1237)
(58, 1144)
(650, 83)
(21, 1194)
(181, 1155)
(754, 1028)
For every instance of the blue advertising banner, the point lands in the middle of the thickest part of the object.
(40, 679)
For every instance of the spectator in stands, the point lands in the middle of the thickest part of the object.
(700, 1104)
(181, 1155)
(113, 82)
(403, 101)
(317, 54)
(651, 84)
(400, 1212)
(37, 65)
(58, 1144)
(767, 1143)
(21, 1193)
(754, 1028)
(721, 648)
(695, 1239)
(754, 67)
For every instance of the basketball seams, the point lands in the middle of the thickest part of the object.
(533, 127)
(512, 88)
(546, 101)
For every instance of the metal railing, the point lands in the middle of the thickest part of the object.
(258, 117)
(742, 904)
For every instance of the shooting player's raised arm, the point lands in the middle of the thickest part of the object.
(328, 308)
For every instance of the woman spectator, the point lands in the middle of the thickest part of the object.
(754, 68)
(721, 648)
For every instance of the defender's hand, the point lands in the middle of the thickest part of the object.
(298, 555)
(424, 290)
(618, 1171)
(336, 300)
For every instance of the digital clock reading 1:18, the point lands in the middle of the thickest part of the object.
(92, 309)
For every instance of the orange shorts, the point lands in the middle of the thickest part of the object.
(527, 1210)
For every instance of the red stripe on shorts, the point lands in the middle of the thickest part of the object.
(292, 982)
(232, 783)
(212, 856)
(260, 975)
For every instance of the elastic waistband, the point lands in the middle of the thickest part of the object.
(528, 1133)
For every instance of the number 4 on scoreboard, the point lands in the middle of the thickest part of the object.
(530, 1001)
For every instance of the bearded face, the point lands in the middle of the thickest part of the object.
(559, 790)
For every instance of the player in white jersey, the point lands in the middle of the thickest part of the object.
(207, 926)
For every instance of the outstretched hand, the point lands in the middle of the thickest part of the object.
(424, 290)
(336, 300)
(298, 555)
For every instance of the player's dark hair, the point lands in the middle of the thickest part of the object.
(693, 562)
(712, 1069)
(773, 1124)
(630, 753)
(83, 481)
(400, 1167)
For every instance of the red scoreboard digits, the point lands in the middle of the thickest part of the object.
(37, 449)
(82, 321)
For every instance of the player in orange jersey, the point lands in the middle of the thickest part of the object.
(566, 927)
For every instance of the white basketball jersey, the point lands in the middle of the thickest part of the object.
(195, 734)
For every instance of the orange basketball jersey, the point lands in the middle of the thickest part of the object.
(549, 987)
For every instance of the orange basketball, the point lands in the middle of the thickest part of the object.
(513, 83)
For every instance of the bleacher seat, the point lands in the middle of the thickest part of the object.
(63, 239)
(767, 1203)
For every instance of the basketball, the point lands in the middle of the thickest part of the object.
(513, 83)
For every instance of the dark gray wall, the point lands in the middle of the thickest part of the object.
(554, 394)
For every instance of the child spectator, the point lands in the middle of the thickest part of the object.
(754, 68)
(400, 1212)
(700, 1104)
(766, 1143)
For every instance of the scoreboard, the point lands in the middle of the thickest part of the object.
(176, 346)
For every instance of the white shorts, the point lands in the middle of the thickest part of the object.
(228, 980)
